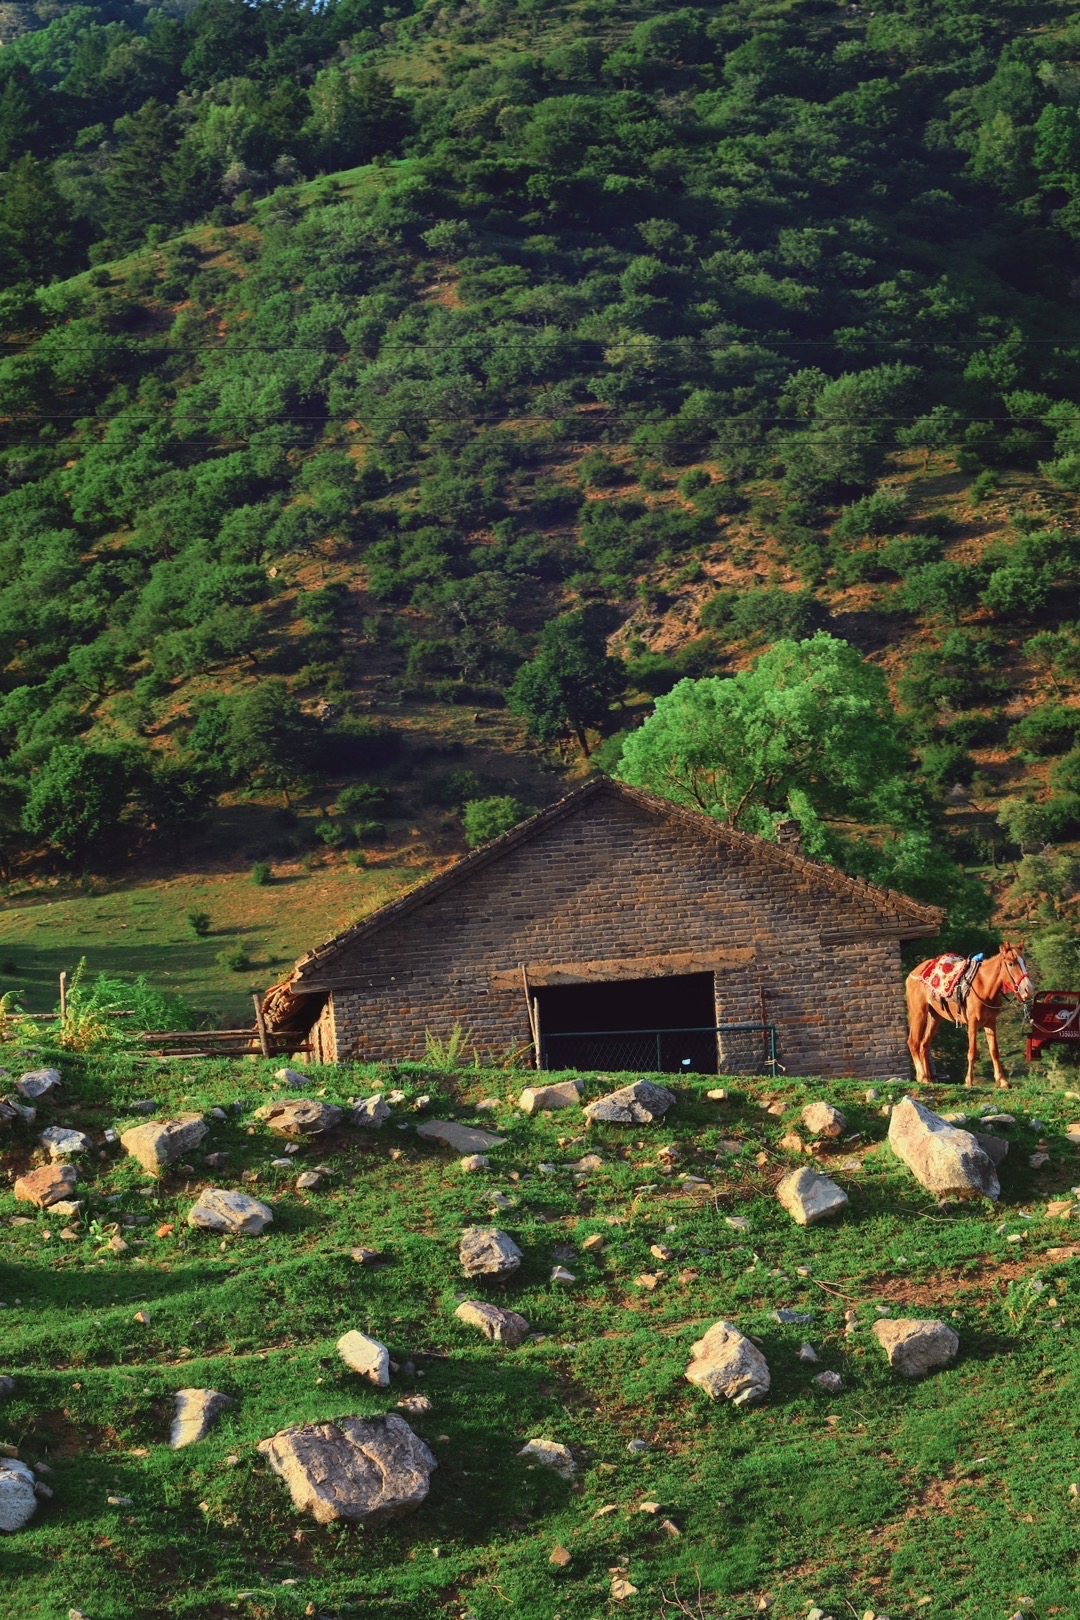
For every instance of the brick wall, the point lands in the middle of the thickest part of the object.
(614, 880)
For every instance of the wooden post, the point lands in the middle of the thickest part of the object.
(260, 1025)
(529, 1008)
(63, 998)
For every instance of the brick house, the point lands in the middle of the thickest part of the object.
(618, 930)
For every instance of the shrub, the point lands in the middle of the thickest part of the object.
(262, 874)
(1025, 822)
(692, 482)
(369, 832)
(1049, 729)
(485, 819)
(774, 613)
(236, 958)
(329, 833)
(199, 923)
(360, 796)
(880, 513)
(716, 612)
(598, 471)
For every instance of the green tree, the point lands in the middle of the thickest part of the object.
(808, 731)
(570, 684)
(269, 739)
(133, 190)
(485, 819)
(35, 224)
(76, 799)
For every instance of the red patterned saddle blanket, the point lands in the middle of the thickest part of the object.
(942, 974)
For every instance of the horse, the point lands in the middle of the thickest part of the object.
(996, 976)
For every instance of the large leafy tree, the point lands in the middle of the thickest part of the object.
(570, 684)
(76, 799)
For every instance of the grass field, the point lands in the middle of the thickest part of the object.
(142, 927)
(949, 1497)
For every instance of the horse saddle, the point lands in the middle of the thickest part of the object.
(949, 979)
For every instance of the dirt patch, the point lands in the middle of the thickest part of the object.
(988, 1276)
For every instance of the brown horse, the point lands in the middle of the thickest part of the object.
(997, 976)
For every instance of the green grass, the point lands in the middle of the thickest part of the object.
(948, 1497)
(143, 928)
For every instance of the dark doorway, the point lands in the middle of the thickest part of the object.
(664, 1025)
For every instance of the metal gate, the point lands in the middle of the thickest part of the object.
(662, 1051)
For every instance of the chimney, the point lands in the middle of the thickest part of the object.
(789, 836)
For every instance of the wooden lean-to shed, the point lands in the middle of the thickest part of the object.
(617, 930)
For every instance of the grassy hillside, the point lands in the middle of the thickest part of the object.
(946, 1497)
(671, 333)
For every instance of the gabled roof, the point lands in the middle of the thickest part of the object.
(912, 916)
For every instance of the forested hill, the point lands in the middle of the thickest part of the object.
(365, 366)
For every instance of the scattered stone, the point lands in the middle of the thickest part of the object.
(992, 1118)
(292, 1077)
(807, 1353)
(38, 1085)
(822, 1119)
(561, 1275)
(18, 1499)
(9, 1112)
(14, 1109)
(300, 1116)
(660, 1251)
(830, 1382)
(46, 1186)
(368, 1470)
(915, 1347)
(462, 1138)
(649, 1280)
(621, 1588)
(142, 1317)
(496, 1324)
(144, 1105)
(281, 1164)
(365, 1356)
(116, 1244)
(1058, 1208)
(725, 1363)
(218, 1210)
(196, 1411)
(995, 1147)
(366, 1257)
(637, 1447)
(787, 1316)
(218, 1114)
(550, 1454)
(64, 1143)
(810, 1197)
(500, 1201)
(217, 1161)
(157, 1145)
(791, 1142)
(593, 1242)
(546, 1099)
(415, 1405)
(738, 1223)
(559, 1557)
(582, 1166)
(638, 1104)
(475, 1163)
(371, 1113)
(485, 1251)
(1037, 1160)
(717, 1094)
(947, 1161)
(309, 1181)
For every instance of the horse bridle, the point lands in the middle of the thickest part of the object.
(1014, 988)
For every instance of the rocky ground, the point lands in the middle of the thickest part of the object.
(405, 1342)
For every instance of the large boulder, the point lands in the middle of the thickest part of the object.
(365, 1356)
(915, 1346)
(49, 1185)
(219, 1210)
(822, 1119)
(725, 1363)
(158, 1144)
(462, 1138)
(545, 1099)
(496, 1324)
(7, 1386)
(300, 1116)
(638, 1104)
(18, 1498)
(487, 1252)
(196, 1411)
(810, 1197)
(365, 1469)
(38, 1085)
(947, 1161)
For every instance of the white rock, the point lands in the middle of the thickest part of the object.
(300, 1116)
(17, 1496)
(810, 1197)
(367, 1470)
(371, 1113)
(219, 1210)
(914, 1345)
(292, 1077)
(550, 1454)
(485, 1251)
(561, 1275)
(807, 1353)
(473, 1163)
(161, 1143)
(637, 1104)
(309, 1181)
(948, 1162)
(365, 1356)
(462, 1138)
(546, 1099)
(822, 1119)
(725, 1363)
(196, 1411)
(64, 1143)
(830, 1382)
(38, 1085)
(495, 1323)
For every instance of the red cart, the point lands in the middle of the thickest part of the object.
(1055, 1016)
